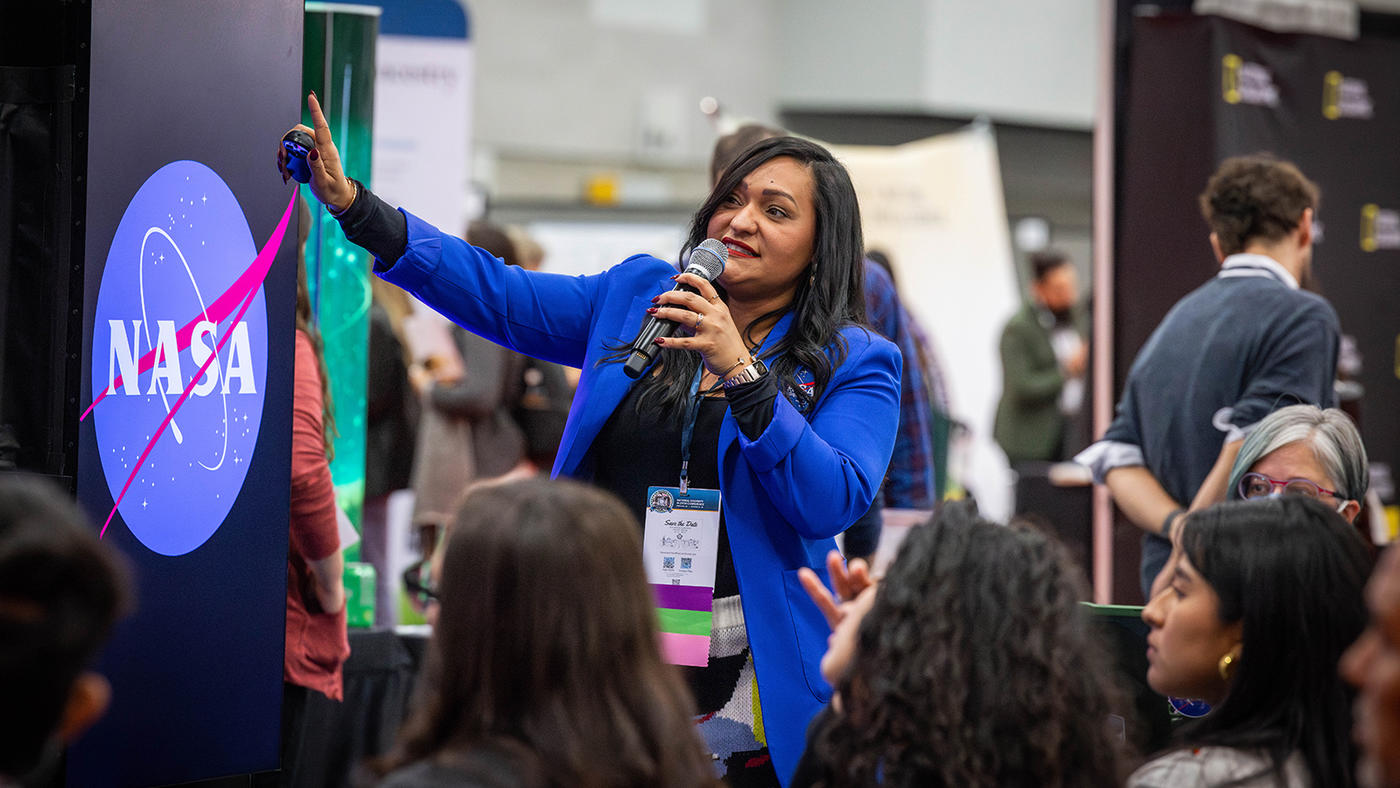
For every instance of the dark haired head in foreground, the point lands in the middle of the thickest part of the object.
(1265, 597)
(544, 668)
(60, 591)
(975, 666)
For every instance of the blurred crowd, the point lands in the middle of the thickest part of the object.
(1267, 653)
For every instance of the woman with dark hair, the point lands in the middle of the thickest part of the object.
(771, 396)
(543, 669)
(971, 664)
(1263, 599)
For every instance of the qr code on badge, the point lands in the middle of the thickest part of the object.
(685, 563)
(669, 562)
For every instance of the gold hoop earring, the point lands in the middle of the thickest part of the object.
(1226, 666)
(812, 279)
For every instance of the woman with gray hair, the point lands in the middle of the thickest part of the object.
(1307, 451)
(1300, 450)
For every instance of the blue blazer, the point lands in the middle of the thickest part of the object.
(786, 494)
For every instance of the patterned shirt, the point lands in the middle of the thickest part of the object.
(1208, 766)
(909, 482)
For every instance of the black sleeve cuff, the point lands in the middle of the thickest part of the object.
(375, 226)
(752, 404)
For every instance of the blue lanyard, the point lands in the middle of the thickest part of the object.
(688, 430)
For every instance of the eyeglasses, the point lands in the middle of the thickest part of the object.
(422, 591)
(1257, 485)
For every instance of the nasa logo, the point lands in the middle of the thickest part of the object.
(179, 357)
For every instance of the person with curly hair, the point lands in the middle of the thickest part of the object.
(971, 664)
(1263, 599)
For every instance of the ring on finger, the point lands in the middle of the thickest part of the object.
(714, 299)
(698, 320)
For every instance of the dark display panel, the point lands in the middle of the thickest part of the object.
(184, 443)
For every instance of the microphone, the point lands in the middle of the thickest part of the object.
(707, 262)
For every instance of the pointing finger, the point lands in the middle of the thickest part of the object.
(318, 118)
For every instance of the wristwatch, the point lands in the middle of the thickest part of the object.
(748, 374)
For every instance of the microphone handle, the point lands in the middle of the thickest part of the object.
(644, 347)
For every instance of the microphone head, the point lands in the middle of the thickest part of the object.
(709, 257)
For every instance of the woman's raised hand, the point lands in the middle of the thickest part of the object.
(712, 331)
(847, 579)
(328, 181)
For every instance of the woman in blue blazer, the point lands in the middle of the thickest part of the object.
(799, 437)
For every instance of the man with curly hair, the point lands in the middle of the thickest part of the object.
(1240, 346)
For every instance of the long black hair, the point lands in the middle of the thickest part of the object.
(832, 298)
(1293, 571)
(976, 665)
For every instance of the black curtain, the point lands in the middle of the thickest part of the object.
(42, 117)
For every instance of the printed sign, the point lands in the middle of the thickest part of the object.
(179, 357)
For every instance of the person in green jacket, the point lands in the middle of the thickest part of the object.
(1043, 355)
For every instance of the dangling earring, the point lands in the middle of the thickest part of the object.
(812, 280)
(1226, 666)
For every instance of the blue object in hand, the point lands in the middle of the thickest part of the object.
(298, 143)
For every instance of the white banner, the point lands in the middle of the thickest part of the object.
(936, 207)
(422, 126)
(422, 133)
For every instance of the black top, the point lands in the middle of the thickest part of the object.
(633, 452)
(391, 411)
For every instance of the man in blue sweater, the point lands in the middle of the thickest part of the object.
(1241, 345)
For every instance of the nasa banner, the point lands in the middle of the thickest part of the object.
(1200, 89)
(184, 439)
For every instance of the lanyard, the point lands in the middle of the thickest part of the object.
(688, 429)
